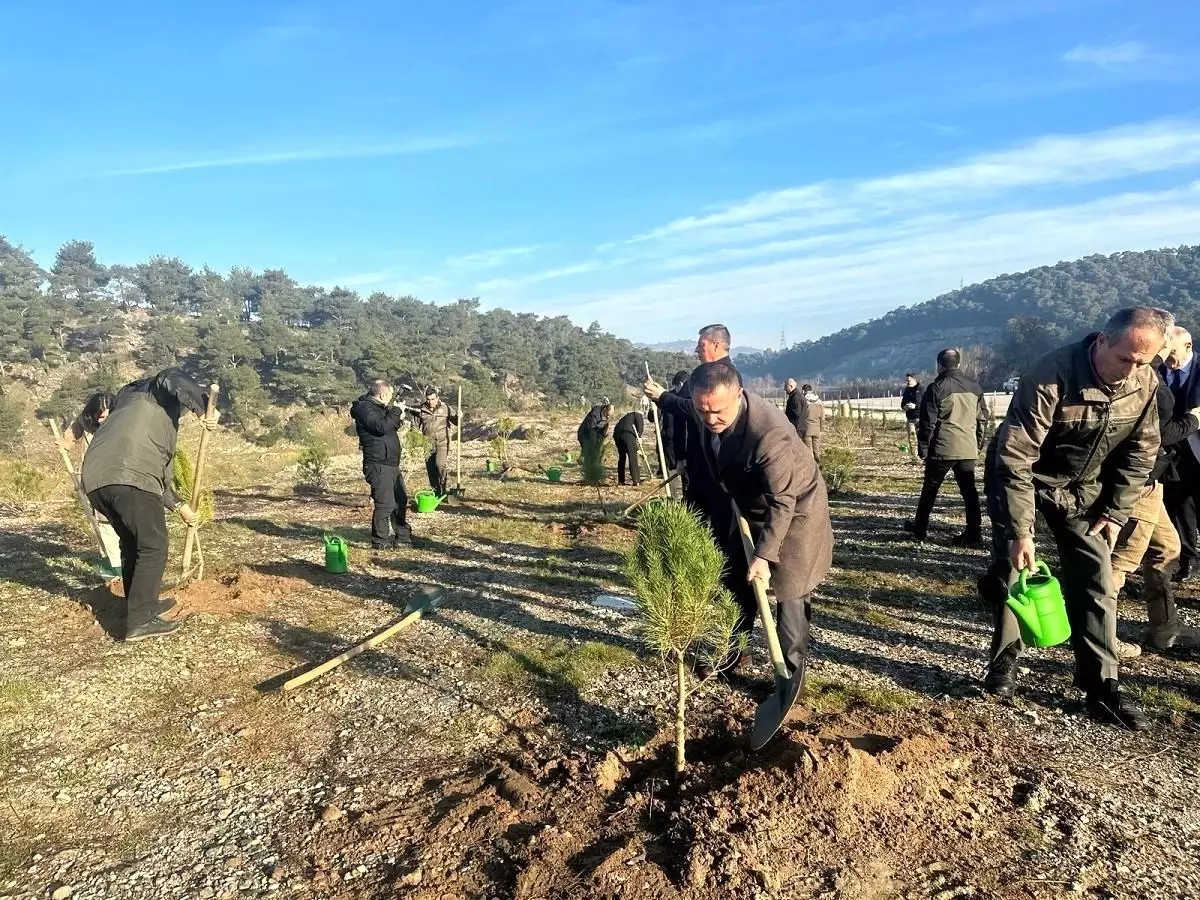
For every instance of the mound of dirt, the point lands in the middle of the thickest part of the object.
(838, 808)
(246, 591)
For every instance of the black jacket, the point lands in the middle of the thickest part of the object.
(136, 446)
(700, 484)
(954, 418)
(631, 423)
(1174, 431)
(596, 420)
(794, 410)
(377, 425)
(911, 395)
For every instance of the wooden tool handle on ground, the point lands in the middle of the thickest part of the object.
(373, 641)
(662, 456)
(194, 501)
(764, 605)
(650, 495)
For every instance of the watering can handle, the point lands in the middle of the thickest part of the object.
(1039, 567)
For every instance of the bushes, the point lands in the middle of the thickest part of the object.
(12, 422)
(22, 484)
(312, 468)
(182, 481)
(840, 468)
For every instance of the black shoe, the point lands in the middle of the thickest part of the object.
(1107, 704)
(156, 627)
(1001, 680)
(404, 539)
(1182, 573)
(968, 539)
(911, 527)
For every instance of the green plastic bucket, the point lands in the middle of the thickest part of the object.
(1037, 602)
(428, 501)
(554, 473)
(336, 555)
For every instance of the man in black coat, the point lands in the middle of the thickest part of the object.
(712, 345)
(794, 408)
(627, 435)
(127, 474)
(1181, 373)
(674, 428)
(910, 402)
(377, 422)
(952, 432)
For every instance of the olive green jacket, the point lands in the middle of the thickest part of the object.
(1085, 448)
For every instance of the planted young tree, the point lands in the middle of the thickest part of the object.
(687, 616)
(591, 458)
(184, 477)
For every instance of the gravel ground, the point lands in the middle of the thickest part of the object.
(175, 768)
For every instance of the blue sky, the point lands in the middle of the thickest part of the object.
(656, 165)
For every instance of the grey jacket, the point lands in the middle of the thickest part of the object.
(954, 418)
(136, 444)
(766, 469)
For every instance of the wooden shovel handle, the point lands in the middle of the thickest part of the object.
(760, 596)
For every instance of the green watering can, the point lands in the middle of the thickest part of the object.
(554, 473)
(336, 561)
(1037, 602)
(567, 456)
(428, 501)
(490, 465)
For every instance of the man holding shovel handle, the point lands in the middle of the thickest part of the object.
(778, 503)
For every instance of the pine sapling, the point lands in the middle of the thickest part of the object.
(687, 615)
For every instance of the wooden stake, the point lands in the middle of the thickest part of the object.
(458, 476)
(193, 532)
(662, 456)
(373, 641)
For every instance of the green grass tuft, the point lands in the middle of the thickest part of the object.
(824, 695)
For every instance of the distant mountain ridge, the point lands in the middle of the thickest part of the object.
(690, 344)
(1005, 319)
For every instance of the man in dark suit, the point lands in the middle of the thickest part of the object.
(712, 345)
(1182, 496)
(757, 461)
(794, 408)
(627, 436)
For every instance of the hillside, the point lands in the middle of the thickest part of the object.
(1009, 319)
(270, 341)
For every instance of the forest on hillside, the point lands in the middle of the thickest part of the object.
(269, 340)
(1035, 311)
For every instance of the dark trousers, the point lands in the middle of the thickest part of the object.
(627, 455)
(936, 471)
(390, 497)
(1085, 573)
(1181, 500)
(437, 467)
(140, 521)
(793, 609)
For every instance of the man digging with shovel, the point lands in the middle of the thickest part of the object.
(777, 499)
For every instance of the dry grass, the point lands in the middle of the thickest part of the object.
(557, 663)
(827, 696)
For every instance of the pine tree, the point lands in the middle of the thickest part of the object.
(675, 569)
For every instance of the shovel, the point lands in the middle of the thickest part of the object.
(427, 600)
(772, 712)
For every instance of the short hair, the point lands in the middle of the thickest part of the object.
(378, 386)
(710, 376)
(909, 375)
(718, 334)
(806, 388)
(431, 391)
(1131, 317)
(679, 378)
(949, 358)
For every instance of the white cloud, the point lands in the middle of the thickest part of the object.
(490, 259)
(1108, 56)
(280, 157)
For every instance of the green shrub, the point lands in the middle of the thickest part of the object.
(182, 481)
(298, 429)
(840, 468)
(22, 484)
(591, 460)
(12, 423)
(312, 467)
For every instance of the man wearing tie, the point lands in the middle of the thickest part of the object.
(1182, 376)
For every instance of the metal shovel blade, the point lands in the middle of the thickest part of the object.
(427, 598)
(773, 711)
